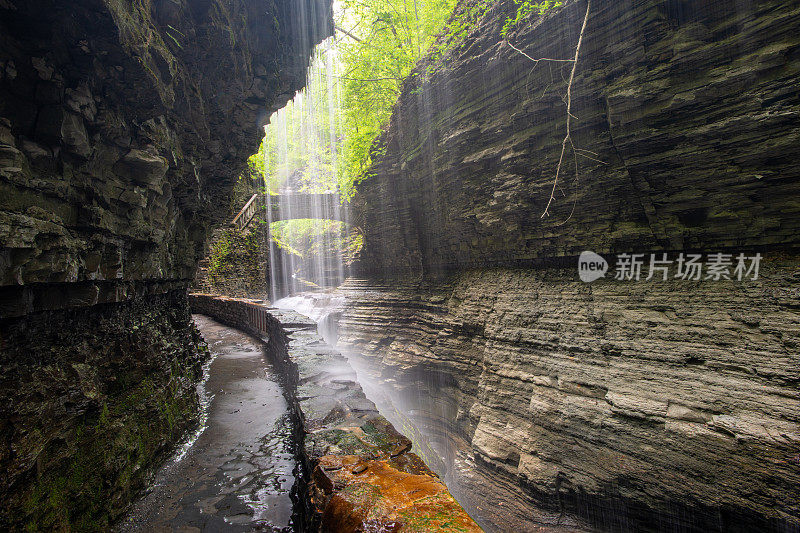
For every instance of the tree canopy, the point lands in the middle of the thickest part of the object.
(380, 42)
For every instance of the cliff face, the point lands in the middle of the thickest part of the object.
(123, 127)
(685, 115)
(93, 398)
(638, 405)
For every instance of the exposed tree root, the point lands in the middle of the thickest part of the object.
(570, 116)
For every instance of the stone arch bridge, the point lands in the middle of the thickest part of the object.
(292, 206)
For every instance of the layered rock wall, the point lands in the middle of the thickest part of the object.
(92, 399)
(686, 122)
(638, 405)
(123, 127)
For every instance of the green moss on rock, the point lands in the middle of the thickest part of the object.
(109, 391)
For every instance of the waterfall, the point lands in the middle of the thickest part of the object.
(307, 221)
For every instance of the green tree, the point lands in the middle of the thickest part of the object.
(381, 42)
(321, 141)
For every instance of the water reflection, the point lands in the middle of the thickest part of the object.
(237, 473)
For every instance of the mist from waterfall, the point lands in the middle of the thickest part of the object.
(301, 151)
(303, 155)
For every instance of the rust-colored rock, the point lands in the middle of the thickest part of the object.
(375, 495)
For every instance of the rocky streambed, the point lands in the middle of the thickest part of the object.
(356, 471)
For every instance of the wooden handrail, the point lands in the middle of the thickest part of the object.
(301, 205)
(242, 220)
(248, 204)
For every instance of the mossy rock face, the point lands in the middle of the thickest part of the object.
(92, 401)
(236, 263)
(237, 260)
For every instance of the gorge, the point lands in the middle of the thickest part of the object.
(614, 399)
(466, 375)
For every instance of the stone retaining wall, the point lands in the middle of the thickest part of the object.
(358, 472)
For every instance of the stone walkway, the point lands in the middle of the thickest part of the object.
(237, 475)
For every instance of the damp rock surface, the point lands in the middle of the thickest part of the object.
(359, 472)
(123, 126)
(631, 404)
(364, 475)
(92, 401)
(238, 473)
(642, 406)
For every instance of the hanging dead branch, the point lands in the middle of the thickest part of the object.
(347, 33)
(570, 116)
(541, 58)
(568, 103)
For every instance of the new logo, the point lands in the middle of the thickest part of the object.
(591, 266)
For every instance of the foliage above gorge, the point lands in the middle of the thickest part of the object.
(324, 139)
(383, 42)
(526, 8)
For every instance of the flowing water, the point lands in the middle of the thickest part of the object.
(237, 473)
(301, 158)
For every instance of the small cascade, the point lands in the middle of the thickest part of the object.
(323, 307)
(301, 152)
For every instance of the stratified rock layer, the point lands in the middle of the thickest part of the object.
(123, 126)
(90, 401)
(686, 122)
(639, 405)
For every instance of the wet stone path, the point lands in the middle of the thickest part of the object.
(238, 473)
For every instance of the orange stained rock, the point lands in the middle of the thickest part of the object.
(369, 495)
